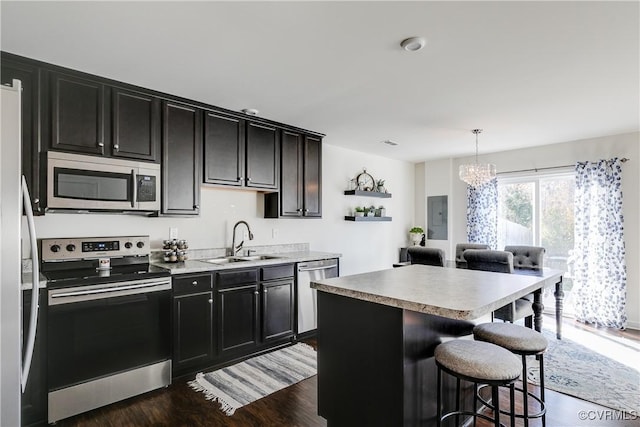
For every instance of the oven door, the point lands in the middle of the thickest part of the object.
(101, 330)
(93, 183)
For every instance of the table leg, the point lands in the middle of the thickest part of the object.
(559, 294)
(537, 310)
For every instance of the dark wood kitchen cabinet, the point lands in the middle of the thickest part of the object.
(89, 116)
(30, 77)
(136, 125)
(77, 105)
(300, 193)
(238, 306)
(240, 153)
(255, 308)
(181, 146)
(277, 303)
(193, 323)
(224, 148)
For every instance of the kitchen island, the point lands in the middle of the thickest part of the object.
(377, 332)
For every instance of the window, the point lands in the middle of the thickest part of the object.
(538, 210)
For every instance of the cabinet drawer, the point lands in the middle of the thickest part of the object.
(276, 272)
(236, 277)
(192, 283)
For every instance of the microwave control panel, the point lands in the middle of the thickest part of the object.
(146, 188)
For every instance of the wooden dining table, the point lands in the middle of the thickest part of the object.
(377, 332)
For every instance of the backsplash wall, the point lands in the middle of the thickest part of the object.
(364, 246)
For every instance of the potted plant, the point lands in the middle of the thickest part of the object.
(359, 211)
(415, 234)
(381, 211)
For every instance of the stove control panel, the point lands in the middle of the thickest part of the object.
(93, 247)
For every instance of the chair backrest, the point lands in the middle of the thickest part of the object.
(489, 260)
(461, 247)
(426, 256)
(527, 257)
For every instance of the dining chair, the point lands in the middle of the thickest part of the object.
(461, 247)
(426, 256)
(501, 262)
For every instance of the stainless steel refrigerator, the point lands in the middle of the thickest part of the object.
(15, 361)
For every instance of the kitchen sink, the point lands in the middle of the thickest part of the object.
(231, 259)
(255, 257)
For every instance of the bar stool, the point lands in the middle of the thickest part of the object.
(477, 362)
(523, 342)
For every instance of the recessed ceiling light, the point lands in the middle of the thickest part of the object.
(250, 111)
(413, 44)
(389, 142)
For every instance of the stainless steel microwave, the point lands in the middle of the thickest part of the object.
(89, 183)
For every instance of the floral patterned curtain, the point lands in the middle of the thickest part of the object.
(482, 214)
(600, 276)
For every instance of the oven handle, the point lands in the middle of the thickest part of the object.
(57, 297)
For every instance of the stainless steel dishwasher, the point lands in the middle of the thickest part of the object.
(307, 302)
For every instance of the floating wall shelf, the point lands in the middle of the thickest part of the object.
(367, 218)
(367, 194)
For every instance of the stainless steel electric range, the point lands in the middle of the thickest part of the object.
(108, 322)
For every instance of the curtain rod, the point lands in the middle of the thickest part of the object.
(623, 160)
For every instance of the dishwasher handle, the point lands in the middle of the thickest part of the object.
(324, 267)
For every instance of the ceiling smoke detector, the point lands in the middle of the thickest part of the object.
(250, 111)
(413, 44)
(389, 142)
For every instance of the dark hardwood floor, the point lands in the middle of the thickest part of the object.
(179, 405)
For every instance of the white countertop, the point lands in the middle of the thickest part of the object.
(195, 266)
(450, 292)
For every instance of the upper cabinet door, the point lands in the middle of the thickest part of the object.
(181, 146)
(263, 156)
(291, 183)
(224, 149)
(136, 125)
(312, 177)
(77, 114)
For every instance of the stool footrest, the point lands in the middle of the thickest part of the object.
(471, 414)
(543, 408)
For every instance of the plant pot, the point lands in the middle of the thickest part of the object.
(358, 213)
(415, 238)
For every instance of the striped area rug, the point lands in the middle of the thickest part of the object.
(245, 382)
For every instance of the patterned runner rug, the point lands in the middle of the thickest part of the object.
(574, 369)
(245, 382)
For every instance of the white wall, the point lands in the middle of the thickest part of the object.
(441, 177)
(365, 246)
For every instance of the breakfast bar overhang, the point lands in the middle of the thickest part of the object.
(377, 332)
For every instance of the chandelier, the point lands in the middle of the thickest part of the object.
(476, 174)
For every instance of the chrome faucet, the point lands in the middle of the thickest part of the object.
(235, 249)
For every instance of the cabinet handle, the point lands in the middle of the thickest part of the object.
(265, 291)
(255, 292)
(101, 145)
(196, 206)
(305, 210)
(117, 147)
(248, 179)
(211, 301)
(240, 178)
(195, 282)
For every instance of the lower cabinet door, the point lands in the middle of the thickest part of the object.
(193, 331)
(277, 310)
(237, 320)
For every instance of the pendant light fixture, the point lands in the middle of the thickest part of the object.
(476, 174)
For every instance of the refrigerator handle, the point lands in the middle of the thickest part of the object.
(31, 337)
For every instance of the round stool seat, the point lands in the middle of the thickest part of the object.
(478, 360)
(515, 338)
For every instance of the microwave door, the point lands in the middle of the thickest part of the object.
(85, 186)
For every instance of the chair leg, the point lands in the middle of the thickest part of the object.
(496, 405)
(544, 416)
(475, 402)
(525, 392)
(512, 406)
(439, 397)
